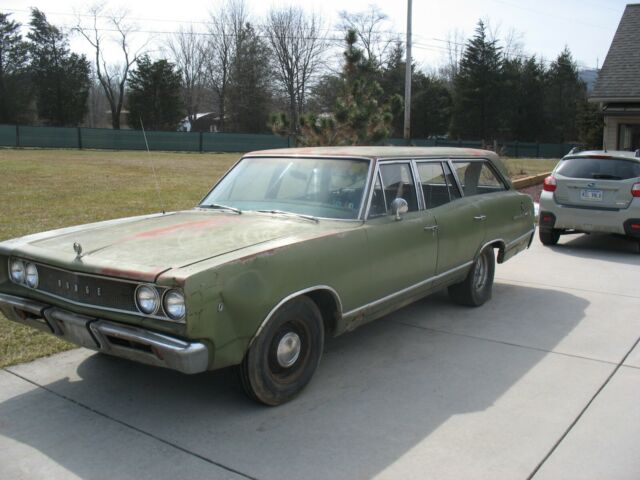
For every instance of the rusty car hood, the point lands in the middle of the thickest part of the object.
(142, 248)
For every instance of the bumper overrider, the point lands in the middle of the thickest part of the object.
(132, 343)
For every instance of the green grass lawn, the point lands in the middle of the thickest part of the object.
(47, 189)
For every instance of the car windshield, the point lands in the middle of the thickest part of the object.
(599, 168)
(319, 187)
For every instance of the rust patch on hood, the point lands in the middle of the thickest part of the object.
(195, 225)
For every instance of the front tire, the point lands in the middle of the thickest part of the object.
(477, 287)
(285, 354)
(549, 236)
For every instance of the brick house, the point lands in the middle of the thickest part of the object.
(618, 86)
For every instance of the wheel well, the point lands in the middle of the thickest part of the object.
(329, 307)
(499, 245)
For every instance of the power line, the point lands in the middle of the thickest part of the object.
(390, 35)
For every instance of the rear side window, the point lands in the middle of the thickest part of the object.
(599, 168)
(478, 178)
(436, 186)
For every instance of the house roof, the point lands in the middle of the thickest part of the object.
(619, 79)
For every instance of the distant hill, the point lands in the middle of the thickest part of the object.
(589, 76)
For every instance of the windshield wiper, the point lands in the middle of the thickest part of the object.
(299, 215)
(605, 176)
(221, 207)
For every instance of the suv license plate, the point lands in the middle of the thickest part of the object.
(591, 195)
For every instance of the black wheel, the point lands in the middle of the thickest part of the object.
(476, 288)
(549, 236)
(286, 353)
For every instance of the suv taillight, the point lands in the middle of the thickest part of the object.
(635, 190)
(550, 184)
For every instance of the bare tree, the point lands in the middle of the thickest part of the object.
(373, 30)
(97, 105)
(513, 44)
(454, 44)
(188, 51)
(298, 46)
(112, 76)
(226, 24)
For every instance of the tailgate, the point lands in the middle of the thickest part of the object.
(594, 193)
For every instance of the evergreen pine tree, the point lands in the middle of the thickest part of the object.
(60, 78)
(154, 95)
(478, 89)
(249, 91)
(358, 117)
(564, 91)
(15, 91)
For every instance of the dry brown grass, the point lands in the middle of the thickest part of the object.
(525, 167)
(47, 189)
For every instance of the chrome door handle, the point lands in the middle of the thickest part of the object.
(432, 228)
(480, 218)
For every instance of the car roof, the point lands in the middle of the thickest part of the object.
(604, 154)
(376, 152)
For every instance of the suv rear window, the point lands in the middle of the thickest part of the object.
(599, 168)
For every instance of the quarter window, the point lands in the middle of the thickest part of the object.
(478, 178)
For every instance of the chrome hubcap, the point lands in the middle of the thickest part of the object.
(480, 274)
(288, 349)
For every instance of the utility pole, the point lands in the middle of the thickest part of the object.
(407, 79)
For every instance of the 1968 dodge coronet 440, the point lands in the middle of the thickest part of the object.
(288, 247)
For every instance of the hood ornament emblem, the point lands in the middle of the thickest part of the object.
(78, 249)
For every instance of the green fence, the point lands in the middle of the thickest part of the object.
(104, 138)
(107, 139)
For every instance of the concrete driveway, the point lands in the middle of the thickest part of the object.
(543, 382)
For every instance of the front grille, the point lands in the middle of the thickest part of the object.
(87, 289)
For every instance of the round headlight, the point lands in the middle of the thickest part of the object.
(31, 275)
(174, 304)
(17, 271)
(147, 299)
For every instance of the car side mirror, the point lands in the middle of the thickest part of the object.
(399, 206)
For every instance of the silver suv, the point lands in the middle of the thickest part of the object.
(592, 191)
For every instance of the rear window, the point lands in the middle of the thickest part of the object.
(599, 168)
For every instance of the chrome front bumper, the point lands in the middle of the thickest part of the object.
(124, 341)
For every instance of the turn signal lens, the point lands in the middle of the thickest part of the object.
(550, 184)
(635, 190)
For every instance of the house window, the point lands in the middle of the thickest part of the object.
(628, 137)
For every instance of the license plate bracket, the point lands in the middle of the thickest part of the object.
(591, 195)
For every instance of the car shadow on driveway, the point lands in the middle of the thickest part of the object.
(613, 248)
(381, 397)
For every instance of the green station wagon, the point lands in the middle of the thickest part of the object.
(288, 247)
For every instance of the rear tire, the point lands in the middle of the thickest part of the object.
(549, 236)
(285, 354)
(477, 287)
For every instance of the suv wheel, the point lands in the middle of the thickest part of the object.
(549, 236)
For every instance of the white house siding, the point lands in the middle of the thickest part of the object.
(611, 130)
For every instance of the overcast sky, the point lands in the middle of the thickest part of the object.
(585, 26)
